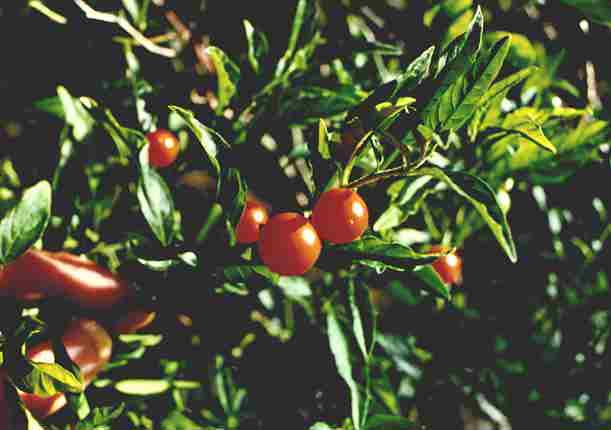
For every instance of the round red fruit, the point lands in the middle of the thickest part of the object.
(289, 244)
(249, 227)
(448, 267)
(340, 216)
(163, 148)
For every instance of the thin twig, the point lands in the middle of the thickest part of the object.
(404, 150)
(384, 174)
(127, 27)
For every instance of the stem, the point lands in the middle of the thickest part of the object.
(146, 43)
(385, 174)
(403, 150)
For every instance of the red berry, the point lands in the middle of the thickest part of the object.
(340, 216)
(249, 227)
(289, 244)
(163, 148)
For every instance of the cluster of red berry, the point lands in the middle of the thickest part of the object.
(289, 244)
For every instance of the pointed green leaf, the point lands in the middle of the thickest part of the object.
(156, 202)
(24, 224)
(341, 354)
(481, 77)
(483, 198)
(210, 140)
(453, 82)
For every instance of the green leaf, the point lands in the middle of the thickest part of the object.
(341, 354)
(323, 140)
(233, 200)
(483, 198)
(481, 77)
(51, 105)
(452, 83)
(385, 255)
(209, 139)
(363, 318)
(79, 404)
(47, 379)
(306, 103)
(155, 200)
(176, 420)
(76, 115)
(321, 426)
(257, 45)
(521, 53)
(407, 196)
(429, 276)
(389, 422)
(597, 10)
(142, 387)
(304, 15)
(24, 224)
(415, 73)
(228, 76)
(489, 109)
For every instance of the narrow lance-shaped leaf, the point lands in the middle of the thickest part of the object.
(453, 81)
(483, 198)
(341, 353)
(210, 140)
(429, 276)
(24, 224)
(155, 200)
(304, 10)
(489, 109)
(363, 318)
(380, 254)
(483, 76)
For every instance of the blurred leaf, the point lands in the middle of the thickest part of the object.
(363, 318)
(142, 387)
(76, 115)
(304, 15)
(323, 140)
(597, 10)
(389, 422)
(51, 105)
(341, 354)
(47, 379)
(228, 75)
(176, 420)
(257, 45)
(155, 200)
(24, 224)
